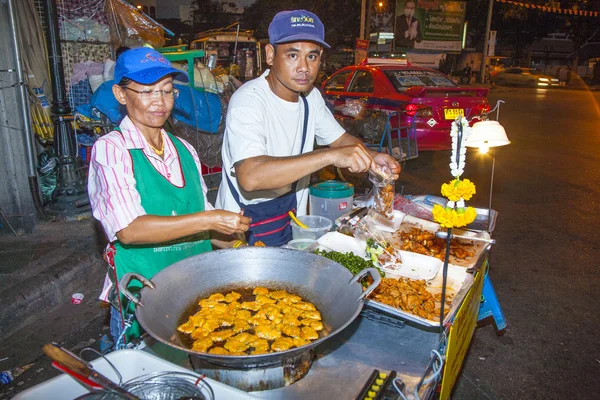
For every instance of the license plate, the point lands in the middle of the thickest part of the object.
(452, 113)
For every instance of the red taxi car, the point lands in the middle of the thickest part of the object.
(425, 96)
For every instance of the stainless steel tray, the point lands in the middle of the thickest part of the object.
(484, 221)
(472, 263)
(459, 281)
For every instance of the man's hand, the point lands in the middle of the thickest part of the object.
(385, 160)
(356, 157)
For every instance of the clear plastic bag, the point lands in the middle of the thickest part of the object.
(353, 108)
(130, 28)
(383, 190)
(380, 248)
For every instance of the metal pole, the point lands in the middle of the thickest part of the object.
(491, 189)
(70, 185)
(485, 43)
(34, 186)
(363, 6)
(25, 113)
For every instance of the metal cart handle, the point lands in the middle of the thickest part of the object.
(376, 280)
(124, 282)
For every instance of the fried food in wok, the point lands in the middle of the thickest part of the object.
(420, 241)
(259, 321)
(410, 295)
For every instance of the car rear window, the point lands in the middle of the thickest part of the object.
(403, 79)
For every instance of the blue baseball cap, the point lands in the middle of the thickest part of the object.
(145, 66)
(297, 26)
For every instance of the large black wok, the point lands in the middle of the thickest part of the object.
(331, 287)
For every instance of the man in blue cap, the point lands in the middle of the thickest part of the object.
(145, 185)
(272, 123)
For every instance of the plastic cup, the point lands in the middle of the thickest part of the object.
(317, 227)
(77, 298)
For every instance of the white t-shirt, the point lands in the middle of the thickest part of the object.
(259, 123)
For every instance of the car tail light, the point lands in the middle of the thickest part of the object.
(482, 109)
(420, 111)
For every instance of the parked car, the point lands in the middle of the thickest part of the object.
(524, 77)
(425, 96)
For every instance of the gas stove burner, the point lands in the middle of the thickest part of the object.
(259, 378)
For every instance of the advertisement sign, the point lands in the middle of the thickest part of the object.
(429, 25)
(492, 44)
(362, 47)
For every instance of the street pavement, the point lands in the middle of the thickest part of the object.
(544, 267)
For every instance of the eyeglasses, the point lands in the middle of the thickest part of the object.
(155, 94)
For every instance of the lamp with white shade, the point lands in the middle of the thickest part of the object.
(486, 135)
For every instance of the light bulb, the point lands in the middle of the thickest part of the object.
(484, 148)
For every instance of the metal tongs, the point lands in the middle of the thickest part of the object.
(444, 235)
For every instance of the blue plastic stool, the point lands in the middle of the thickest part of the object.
(490, 306)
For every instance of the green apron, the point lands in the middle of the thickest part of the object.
(160, 197)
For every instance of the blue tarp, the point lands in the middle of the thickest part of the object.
(197, 109)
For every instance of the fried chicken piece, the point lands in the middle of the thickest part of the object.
(251, 305)
(241, 325)
(217, 297)
(282, 344)
(278, 294)
(197, 320)
(207, 303)
(220, 336)
(309, 333)
(202, 345)
(267, 332)
(260, 290)
(260, 346)
(219, 351)
(200, 333)
(291, 330)
(220, 308)
(211, 324)
(259, 321)
(290, 310)
(234, 307)
(290, 320)
(311, 315)
(298, 341)
(317, 325)
(233, 346)
(261, 298)
(290, 299)
(232, 296)
(305, 306)
(228, 319)
(187, 327)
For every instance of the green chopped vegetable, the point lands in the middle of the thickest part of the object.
(351, 261)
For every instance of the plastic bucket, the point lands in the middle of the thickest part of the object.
(331, 199)
(317, 227)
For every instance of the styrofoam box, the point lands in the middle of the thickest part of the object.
(131, 364)
(414, 266)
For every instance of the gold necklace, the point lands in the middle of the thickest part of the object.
(157, 151)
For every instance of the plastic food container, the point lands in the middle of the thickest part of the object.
(331, 199)
(317, 227)
(301, 244)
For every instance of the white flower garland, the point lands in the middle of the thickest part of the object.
(457, 169)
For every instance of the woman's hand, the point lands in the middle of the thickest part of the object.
(227, 222)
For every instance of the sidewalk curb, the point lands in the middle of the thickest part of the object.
(39, 294)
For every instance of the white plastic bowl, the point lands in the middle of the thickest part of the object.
(317, 227)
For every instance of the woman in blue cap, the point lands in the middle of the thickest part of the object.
(145, 185)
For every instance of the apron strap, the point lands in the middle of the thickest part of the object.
(232, 189)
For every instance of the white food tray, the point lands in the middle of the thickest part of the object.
(131, 364)
(459, 281)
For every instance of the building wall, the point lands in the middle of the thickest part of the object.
(15, 198)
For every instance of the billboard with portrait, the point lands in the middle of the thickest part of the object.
(429, 25)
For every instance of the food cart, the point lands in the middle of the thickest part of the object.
(425, 358)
